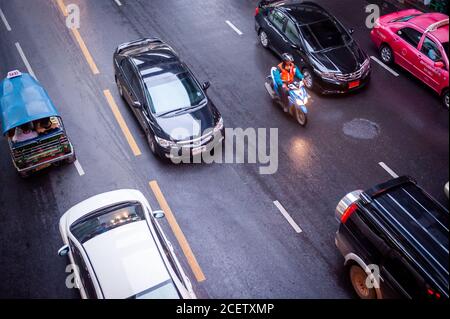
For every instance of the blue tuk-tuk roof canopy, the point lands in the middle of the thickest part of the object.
(23, 100)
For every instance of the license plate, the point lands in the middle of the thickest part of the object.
(353, 85)
(41, 167)
(198, 150)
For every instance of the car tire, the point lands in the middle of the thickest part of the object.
(71, 159)
(358, 279)
(386, 54)
(308, 78)
(152, 144)
(119, 87)
(264, 39)
(445, 99)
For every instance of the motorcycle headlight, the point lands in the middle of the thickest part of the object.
(219, 126)
(164, 143)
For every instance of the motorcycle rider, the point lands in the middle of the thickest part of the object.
(285, 74)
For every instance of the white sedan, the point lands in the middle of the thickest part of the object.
(118, 250)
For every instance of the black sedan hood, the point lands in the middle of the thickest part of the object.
(188, 125)
(345, 59)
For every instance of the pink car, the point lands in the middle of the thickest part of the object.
(418, 42)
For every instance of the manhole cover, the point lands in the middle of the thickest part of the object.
(362, 129)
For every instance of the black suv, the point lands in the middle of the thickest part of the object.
(330, 59)
(395, 240)
(168, 101)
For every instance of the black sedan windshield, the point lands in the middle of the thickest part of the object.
(169, 92)
(324, 35)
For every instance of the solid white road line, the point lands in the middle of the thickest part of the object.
(118, 2)
(384, 66)
(283, 211)
(79, 168)
(232, 26)
(388, 169)
(8, 27)
(25, 60)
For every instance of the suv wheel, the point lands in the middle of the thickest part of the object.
(264, 39)
(386, 54)
(358, 278)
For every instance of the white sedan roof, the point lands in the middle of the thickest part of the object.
(126, 260)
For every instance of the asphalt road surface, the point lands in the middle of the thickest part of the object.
(244, 246)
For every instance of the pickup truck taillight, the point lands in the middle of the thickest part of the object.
(348, 212)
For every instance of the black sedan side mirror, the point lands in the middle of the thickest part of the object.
(351, 30)
(206, 85)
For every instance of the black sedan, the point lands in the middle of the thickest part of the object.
(171, 106)
(330, 59)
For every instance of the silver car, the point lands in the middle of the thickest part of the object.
(118, 250)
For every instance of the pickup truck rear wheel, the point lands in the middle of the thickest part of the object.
(358, 278)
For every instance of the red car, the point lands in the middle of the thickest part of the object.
(418, 42)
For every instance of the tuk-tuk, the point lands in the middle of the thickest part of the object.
(30, 122)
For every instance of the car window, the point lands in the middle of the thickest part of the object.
(127, 69)
(136, 86)
(85, 277)
(169, 92)
(431, 50)
(291, 32)
(105, 220)
(411, 36)
(324, 35)
(277, 18)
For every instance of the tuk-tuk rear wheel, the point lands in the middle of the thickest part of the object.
(24, 174)
(71, 159)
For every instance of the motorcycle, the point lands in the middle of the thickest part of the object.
(298, 98)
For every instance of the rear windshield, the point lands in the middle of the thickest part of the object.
(406, 19)
(105, 220)
(165, 290)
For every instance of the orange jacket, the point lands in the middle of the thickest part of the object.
(287, 75)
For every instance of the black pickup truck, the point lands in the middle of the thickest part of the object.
(395, 242)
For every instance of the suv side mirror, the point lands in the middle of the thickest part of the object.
(439, 64)
(64, 251)
(351, 30)
(137, 104)
(206, 85)
(158, 214)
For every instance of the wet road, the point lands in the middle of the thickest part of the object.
(243, 244)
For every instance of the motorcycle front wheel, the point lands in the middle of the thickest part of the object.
(301, 117)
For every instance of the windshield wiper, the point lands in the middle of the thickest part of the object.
(173, 111)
